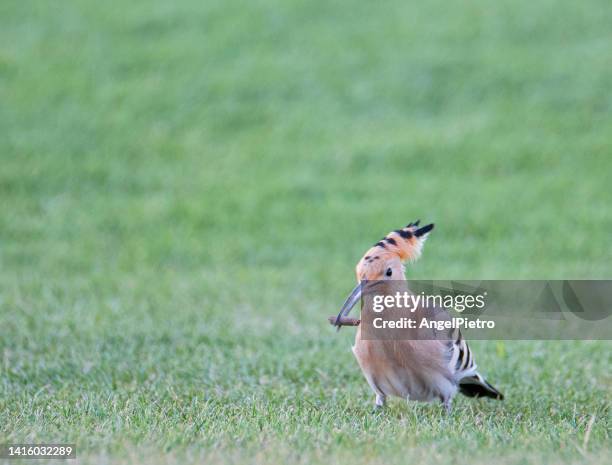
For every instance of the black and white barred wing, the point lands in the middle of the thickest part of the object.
(462, 363)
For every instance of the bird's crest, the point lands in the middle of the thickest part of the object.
(406, 243)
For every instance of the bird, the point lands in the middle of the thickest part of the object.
(428, 369)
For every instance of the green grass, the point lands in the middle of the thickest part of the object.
(185, 190)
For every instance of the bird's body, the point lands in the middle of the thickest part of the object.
(413, 368)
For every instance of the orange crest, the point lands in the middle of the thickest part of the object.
(405, 244)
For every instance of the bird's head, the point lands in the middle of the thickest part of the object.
(385, 259)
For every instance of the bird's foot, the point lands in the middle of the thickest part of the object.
(378, 409)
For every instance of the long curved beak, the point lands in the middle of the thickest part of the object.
(349, 303)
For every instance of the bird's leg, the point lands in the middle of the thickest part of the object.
(380, 401)
(447, 405)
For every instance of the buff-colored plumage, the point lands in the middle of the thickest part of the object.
(411, 368)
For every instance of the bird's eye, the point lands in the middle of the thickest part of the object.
(389, 272)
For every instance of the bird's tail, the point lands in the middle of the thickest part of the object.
(477, 386)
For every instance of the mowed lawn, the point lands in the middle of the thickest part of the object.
(186, 188)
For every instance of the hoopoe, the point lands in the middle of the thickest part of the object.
(422, 370)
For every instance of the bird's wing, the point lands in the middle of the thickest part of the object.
(471, 383)
(462, 361)
(459, 357)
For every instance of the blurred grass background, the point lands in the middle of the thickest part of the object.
(186, 188)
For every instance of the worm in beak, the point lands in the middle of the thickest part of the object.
(349, 303)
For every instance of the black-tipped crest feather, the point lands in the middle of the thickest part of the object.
(424, 230)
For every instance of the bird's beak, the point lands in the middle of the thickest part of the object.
(349, 303)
